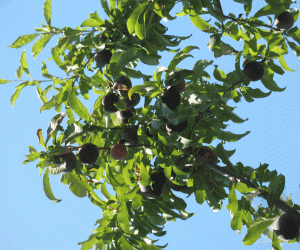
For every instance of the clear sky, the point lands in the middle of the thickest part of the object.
(30, 221)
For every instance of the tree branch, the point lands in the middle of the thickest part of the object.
(235, 178)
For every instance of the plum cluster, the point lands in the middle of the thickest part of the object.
(122, 83)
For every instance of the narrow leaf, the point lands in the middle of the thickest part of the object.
(2, 81)
(40, 44)
(134, 17)
(15, 96)
(22, 40)
(48, 11)
(40, 136)
(78, 107)
(23, 62)
(47, 188)
(255, 231)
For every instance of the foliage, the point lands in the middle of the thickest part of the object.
(134, 35)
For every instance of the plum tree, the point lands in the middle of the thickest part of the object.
(122, 80)
(177, 128)
(108, 102)
(136, 36)
(154, 190)
(284, 21)
(103, 57)
(130, 135)
(118, 152)
(171, 98)
(286, 226)
(88, 153)
(254, 70)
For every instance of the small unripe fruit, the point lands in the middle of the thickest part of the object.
(171, 98)
(122, 80)
(135, 99)
(108, 102)
(208, 153)
(70, 161)
(103, 57)
(180, 87)
(154, 191)
(177, 128)
(286, 226)
(118, 152)
(284, 21)
(88, 153)
(254, 71)
(130, 135)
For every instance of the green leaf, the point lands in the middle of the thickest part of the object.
(255, 230)
(127, 56)
(180, 56)
(270, 84)
(56, 57)
(157, 219)
(197, 5)
(123, 217)
(40, 44)
(243, 188)
(15, 96)
(131, 22)
(40, 136)
(105, 192)
(78, 107)
(105, 7)
(49, 105)
(140, 27)
(75, 184)
(22, 40)
(2, 81)
(90, 242)
(48, 11)
(200, 194)
(219, 74)
(232, 200)
(145, 177)
(256, 93)
(33, 156)
(125, 244)
(47, 188)
(229, 136)
(200, 23)
(23, 62)
(19, 72)
(275, 189)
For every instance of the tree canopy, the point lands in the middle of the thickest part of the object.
(118, 141)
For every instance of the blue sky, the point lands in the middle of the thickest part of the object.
(30, 221)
